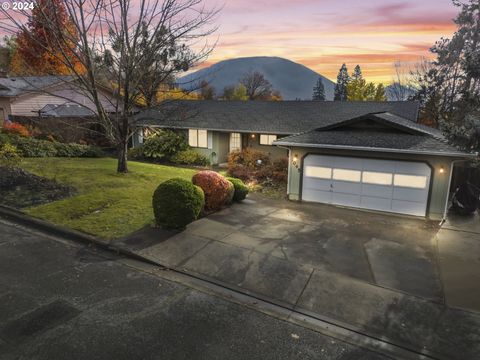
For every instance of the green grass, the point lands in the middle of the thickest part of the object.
(107, 204)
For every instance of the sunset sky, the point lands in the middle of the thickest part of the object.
(321, 34)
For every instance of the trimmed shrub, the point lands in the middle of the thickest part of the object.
(217, 189)
(241, 190)
(190, 157)
(9, 155)
(176, 203)
(12, 128)
(163, 145)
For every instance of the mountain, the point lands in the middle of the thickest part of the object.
(292, 80)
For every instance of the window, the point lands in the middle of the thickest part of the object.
(318, 172)
(347, 175)
(197, 138)
(267, 139)
(235, 142)
(411, 181)
(377, 178)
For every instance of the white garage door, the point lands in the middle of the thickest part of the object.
(393, 186)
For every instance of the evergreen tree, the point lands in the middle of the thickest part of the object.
(319, 91)
(357, 73)
(343, 79)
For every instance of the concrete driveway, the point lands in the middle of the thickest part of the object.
(376, 273)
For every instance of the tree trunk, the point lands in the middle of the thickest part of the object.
(122, 166)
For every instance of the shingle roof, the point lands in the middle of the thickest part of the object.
(66, 110)
(398, 135)
(14, 86)
(276, 117)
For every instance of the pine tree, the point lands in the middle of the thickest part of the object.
(343, 79)
(357, 73)
(319, 91)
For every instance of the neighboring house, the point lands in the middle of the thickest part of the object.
(28, 96)
(66, 110)
(371, 155)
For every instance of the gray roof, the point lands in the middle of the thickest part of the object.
(275, 117)
(397, 135)
(66, 110)
(14, 86)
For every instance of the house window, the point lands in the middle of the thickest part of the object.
(235, 142)
(198, 138)
(267, 139)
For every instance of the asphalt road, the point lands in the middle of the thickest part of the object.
(62, 300)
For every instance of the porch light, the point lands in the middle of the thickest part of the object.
(253, 136)
(295, 158)
(442, 170)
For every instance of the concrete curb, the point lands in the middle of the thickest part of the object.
(21, 218)
(334, 328)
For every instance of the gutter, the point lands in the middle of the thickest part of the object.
(366, 148)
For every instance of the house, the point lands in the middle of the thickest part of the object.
(370, 155)
(32, 95)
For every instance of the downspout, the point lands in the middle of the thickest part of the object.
(445, 210)
(288, 177)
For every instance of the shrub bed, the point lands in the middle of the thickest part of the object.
(176, 203)
(30, 147)
(163, 145)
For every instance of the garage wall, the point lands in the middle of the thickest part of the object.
(439, 181)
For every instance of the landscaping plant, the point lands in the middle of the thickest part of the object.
(15, 129)
(9, 155)
(241, 190)
(176, 203)
(163, 145)
(218, 190)
(190, 157)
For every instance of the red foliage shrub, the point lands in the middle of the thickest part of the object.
(240, 172)
(218, 190)
(15, 129)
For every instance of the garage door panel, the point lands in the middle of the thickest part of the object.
(408, 207)
(405, 167)
(313, 183)
(347, 163)
(377, 191)
(408, 194)
(375, 203)
(379, 165)
(347, 187)
(317, 196)
(346, 199)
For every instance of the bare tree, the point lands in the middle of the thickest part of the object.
(258, 88)
(129, 46)
(400, 89)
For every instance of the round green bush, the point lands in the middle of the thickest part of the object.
(241, 190)
(176, 203)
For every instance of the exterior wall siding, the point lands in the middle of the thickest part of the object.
(439, 181)
(274, 151)
(30, 104)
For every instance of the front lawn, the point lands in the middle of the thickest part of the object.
(107, 204)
